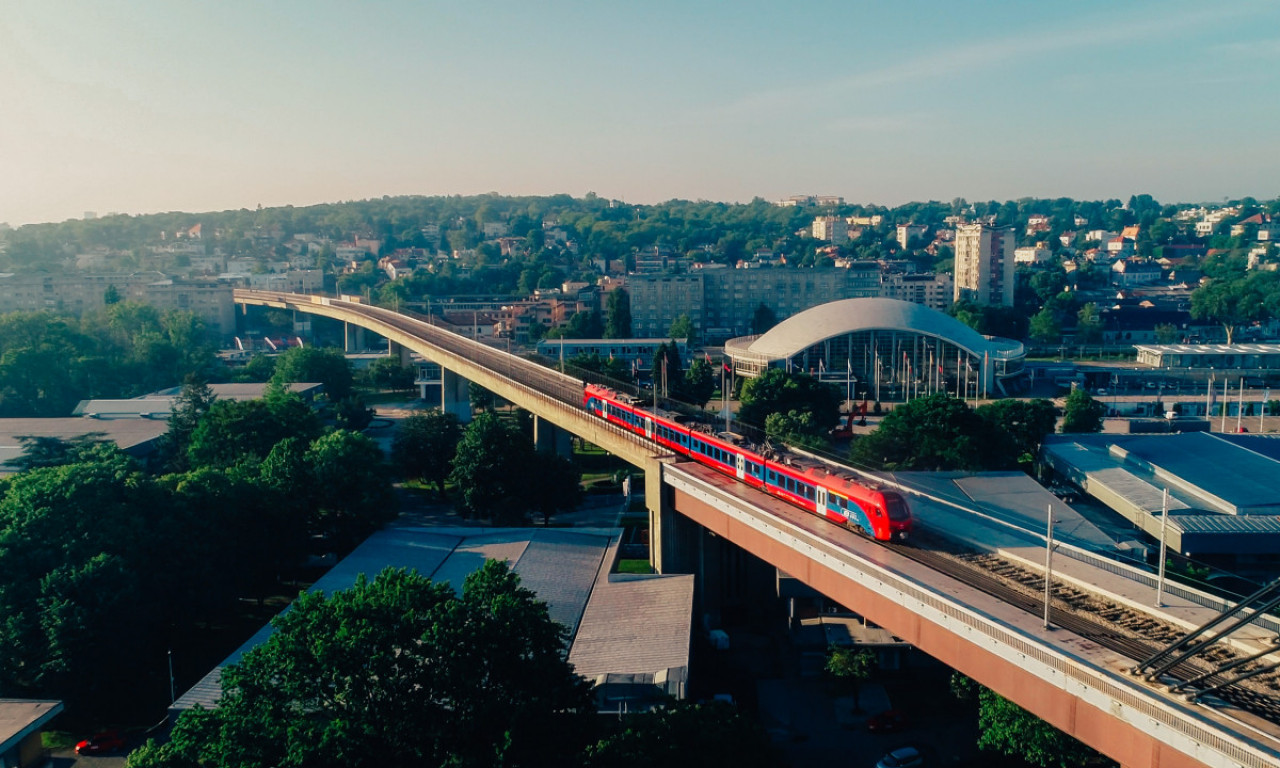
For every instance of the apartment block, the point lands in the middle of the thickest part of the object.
(984, 265)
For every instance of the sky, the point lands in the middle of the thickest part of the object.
(154, 105)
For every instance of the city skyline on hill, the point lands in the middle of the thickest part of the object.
(145, 106)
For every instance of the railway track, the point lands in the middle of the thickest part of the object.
(1132, 634)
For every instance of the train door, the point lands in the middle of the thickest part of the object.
(648, 427)
(822, 499)
(742, 467)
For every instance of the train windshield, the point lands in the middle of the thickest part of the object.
(896, 506)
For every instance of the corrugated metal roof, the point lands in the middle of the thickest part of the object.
(562, 568)
(1242, 478)
(1226, 523)
(635, 625)
(1211, 349)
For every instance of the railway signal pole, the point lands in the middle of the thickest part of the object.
(1164, 527)
(1048, 565)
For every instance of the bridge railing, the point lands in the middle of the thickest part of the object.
(558, 391)
(1002, 634)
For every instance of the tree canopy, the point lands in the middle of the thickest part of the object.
(937, 432)
(1081, 413)
(328, 367)
(424, 446)
(397, 671)
(777, 391)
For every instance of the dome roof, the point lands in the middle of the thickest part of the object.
(837, 318)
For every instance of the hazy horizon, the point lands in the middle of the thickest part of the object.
(145, 107)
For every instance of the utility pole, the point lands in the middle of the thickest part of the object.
(1048, 565)
(1164, 527)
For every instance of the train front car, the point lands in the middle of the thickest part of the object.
(900, 521)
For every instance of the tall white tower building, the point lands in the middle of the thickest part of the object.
(984, 264)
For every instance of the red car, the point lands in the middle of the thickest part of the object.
(889, 721)
(102, 743)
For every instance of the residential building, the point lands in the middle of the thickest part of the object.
(1120, 247)
(908, 232)
(1127, 273)
(494, 230)
(928, 289)
(984, 264)
(833, 229)
(76, 294)
(1035, 254)
(721, 303)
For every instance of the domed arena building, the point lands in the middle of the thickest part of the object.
(884, 349)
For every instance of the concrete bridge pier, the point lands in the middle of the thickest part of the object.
(455, 395)
(399, 352)
(549, 438)
(352, 338)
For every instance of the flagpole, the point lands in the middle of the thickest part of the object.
(1164, 527)
(1208, 399)
(1239, 405)
(1262, 410)
(1222, 426)
(1048, 564)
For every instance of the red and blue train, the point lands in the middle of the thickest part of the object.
(881, 514)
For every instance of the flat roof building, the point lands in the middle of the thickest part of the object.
(1223, 498)
(1217, 356)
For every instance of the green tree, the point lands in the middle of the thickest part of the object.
(795, 428)
(111, 295)
(1167, 333)
(666, 369)
(193, 402)
(388, 373)
(424, 446)
(617, 323)
(850, 666)
(699, 383)
(1006, 728)
(234, 430)
(1023, 422)
(1081, 413)
(396, 671)
(1088, 325)
(682, 328)
(353, 497)
(685, 735)
(488, 468)
(762, 319)
(1045, 328)
(43, 451)
(606, 366)
(935, 433)
(76, 579)
(260, 368)
(312, 365)
(1234, 302)
(552, 484)
(776, 391)
(1049, 283)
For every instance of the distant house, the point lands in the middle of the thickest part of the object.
(1127, 273)
(1120, 247)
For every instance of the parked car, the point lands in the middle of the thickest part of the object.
(906, 757)
(889, 721)
(101, 743)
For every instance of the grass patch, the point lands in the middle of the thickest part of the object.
(57, 740)
(634, 566)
